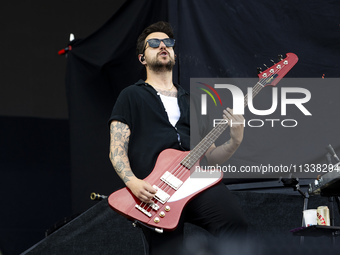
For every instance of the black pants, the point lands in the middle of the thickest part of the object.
(215, 210)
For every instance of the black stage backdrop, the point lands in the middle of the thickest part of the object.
(215, 38)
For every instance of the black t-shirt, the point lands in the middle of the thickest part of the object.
(140, 107)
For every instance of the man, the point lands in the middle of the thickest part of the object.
(153, 115)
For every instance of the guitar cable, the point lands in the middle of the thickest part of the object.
(95, 196)
(139, 224)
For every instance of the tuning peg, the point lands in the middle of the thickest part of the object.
(259, 70)
(273, 61)
(280, 57)
(266, 66)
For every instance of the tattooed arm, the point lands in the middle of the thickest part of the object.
(120, 134)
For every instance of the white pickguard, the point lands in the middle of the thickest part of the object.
(194, 183)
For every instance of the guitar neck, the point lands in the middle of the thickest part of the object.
(201, 148)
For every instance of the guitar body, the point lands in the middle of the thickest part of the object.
(167, 214)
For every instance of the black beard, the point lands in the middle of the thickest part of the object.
(158, 66)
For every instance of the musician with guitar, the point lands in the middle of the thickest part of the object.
(151, 117)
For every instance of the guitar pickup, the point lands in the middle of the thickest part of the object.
(171, 180)
(160, 195)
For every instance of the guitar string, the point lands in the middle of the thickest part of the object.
(180, 167)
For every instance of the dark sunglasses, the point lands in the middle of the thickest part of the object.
(154, 43)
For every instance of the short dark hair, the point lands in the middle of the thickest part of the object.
(160, 26)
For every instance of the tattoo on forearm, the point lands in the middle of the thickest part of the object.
(129, 173)
(126, 144)
(125, 179)
(120, 166)
(115, 153)
(120, 134)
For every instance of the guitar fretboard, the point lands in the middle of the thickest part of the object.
(201, 148)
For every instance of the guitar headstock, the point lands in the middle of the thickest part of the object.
(275, 73)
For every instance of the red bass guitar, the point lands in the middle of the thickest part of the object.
(171, 174)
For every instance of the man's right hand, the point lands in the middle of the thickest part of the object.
(141, 189)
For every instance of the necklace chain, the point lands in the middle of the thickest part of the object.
(165, 89)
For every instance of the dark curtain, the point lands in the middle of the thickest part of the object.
(214, 39)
